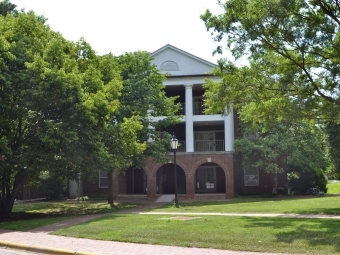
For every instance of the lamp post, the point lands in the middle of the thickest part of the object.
(174, 144)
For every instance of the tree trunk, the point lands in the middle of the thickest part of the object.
(7, 200)
(110, 197)
(274, 192)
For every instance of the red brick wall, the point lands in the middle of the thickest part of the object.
(189, 163)
(266, 180)
(91, 188)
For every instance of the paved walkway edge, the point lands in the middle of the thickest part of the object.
(40, 249)
(283, 215)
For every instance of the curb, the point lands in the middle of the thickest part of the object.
(40, 249)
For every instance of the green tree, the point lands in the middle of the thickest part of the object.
(263, 150)
(143, 95)
(293, 51)
(55, 104)
(138, 135)
(302, 145)
(21, 39)
(6, 7)
(333, 131)
(307, 161)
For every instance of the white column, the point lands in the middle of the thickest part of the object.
(189, 125)
(229, 132)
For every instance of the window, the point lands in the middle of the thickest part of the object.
(169, 66)
(103, 180)
(251, 176)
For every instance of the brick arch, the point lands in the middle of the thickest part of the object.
(151, 168)
(220, 163)
(153, 171)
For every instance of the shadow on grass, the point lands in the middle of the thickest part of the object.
(316, 233)
(283, 204)
(62, 208)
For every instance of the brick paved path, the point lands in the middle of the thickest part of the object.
(106, 247)
(40, 241)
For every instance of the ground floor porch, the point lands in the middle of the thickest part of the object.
(196, 174)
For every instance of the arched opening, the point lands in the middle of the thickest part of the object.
(210, 178)
(136, 181)
(166, 180)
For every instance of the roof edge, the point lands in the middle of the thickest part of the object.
(183, 52)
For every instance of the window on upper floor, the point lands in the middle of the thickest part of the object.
(169, 65)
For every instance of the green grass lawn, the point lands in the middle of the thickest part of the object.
(25, 225)
(286, 235)
(333, 187)
(27, 216)
(258, 234)
(299, 205)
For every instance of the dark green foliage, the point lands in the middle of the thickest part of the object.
(143, 95)
(52, 187)
(293, 51)
(6, 7)
(55, 103)
(333, 131)
(302, 178)
(302, 144)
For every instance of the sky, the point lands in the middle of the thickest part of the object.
(120, 26)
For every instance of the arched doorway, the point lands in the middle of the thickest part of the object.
(136, 181)
(209, 178)
(166, 180)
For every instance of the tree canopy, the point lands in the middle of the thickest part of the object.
(55, 102)
(293, 52)
(69, 112)
(292, 74)
(6, 7)
(142, 98)
(298, 148)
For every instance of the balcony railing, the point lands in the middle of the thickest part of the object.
(209, 145)
(199, 108)
(203, 145)
(181, 110)
(181, 147)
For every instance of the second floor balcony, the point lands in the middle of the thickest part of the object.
(198, 109)
(203, 146)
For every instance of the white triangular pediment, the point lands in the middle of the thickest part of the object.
(176, 62)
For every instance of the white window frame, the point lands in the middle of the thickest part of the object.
(102, 175)
(251, 179)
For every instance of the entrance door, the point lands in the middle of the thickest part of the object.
(206, 179)
(166, 180)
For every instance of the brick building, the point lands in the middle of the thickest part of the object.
(206, 162)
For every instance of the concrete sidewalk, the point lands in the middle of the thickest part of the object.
(38, 240)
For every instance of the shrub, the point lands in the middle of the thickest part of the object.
(302, 178)
(51, 186)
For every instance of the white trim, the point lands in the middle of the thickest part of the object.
(189, 125)
(153, 54)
